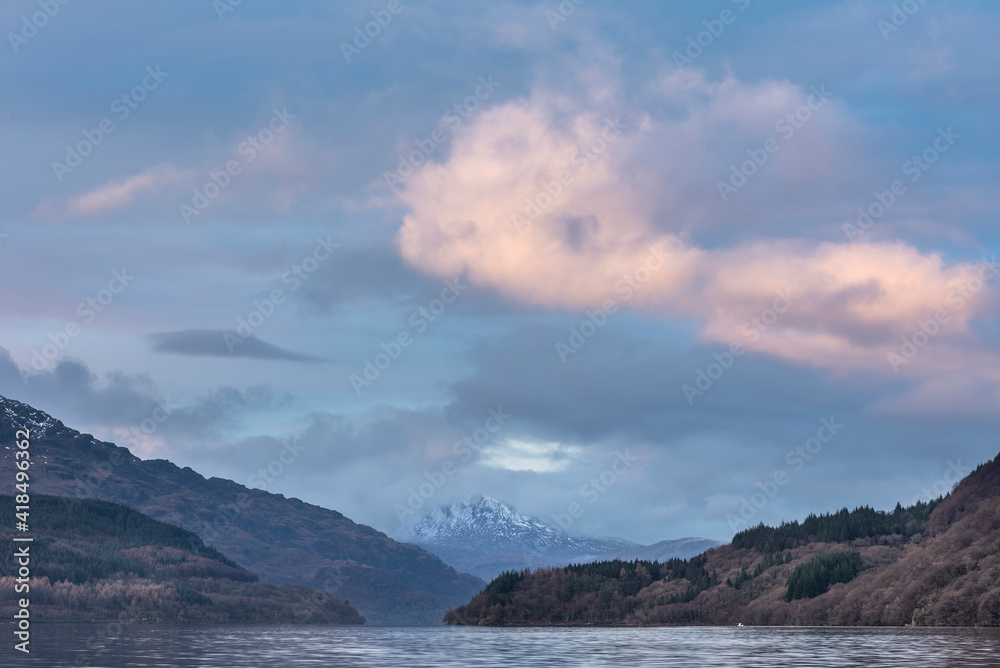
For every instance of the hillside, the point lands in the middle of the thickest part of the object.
(935, 564)
(95, 560)
(280, 539)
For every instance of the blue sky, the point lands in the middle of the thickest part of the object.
(594, 207)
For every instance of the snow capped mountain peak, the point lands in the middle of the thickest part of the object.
(485, 536)
(483, 523)
(483, 503)
(23, 416)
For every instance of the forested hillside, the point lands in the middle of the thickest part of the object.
(933, 563)
(95, 560)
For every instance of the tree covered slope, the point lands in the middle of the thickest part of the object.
(931, 564)
(95, 560)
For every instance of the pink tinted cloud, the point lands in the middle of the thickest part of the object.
(523, 206)
(286, 173)
(122, 191)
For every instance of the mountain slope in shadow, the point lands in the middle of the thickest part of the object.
(280, 539)
(96, 560)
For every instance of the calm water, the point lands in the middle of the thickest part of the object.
(231, 647)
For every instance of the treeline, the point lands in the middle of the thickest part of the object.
(770, 560)
(82, 540)
(627, 578)
(597, 592)
(94, 560)
(817, 575)
(843, 525)
(193, 600)
(91, 517)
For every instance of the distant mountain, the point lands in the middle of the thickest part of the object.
(280, 539)
(95, 560)
(679, 548)
(485, 536)
(932, 564)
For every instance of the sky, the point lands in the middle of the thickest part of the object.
(644, 269)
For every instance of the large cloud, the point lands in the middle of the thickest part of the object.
(497, 212)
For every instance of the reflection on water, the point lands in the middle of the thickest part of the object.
(231, 647)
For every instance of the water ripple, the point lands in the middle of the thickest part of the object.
(374, 647)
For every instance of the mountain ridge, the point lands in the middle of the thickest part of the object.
(485, 536)
(280, 539)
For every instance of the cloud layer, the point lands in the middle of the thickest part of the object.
(687, 208)
(551, 204)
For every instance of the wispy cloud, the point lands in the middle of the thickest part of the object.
(216, 343)
(117, 193)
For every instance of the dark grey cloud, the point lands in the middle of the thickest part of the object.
(119, 403)
(627, 381)
(623, 389)
(70, 389)
(362, 276)
(221, 343)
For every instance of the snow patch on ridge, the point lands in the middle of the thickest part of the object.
(23, 416)
(486, 523)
